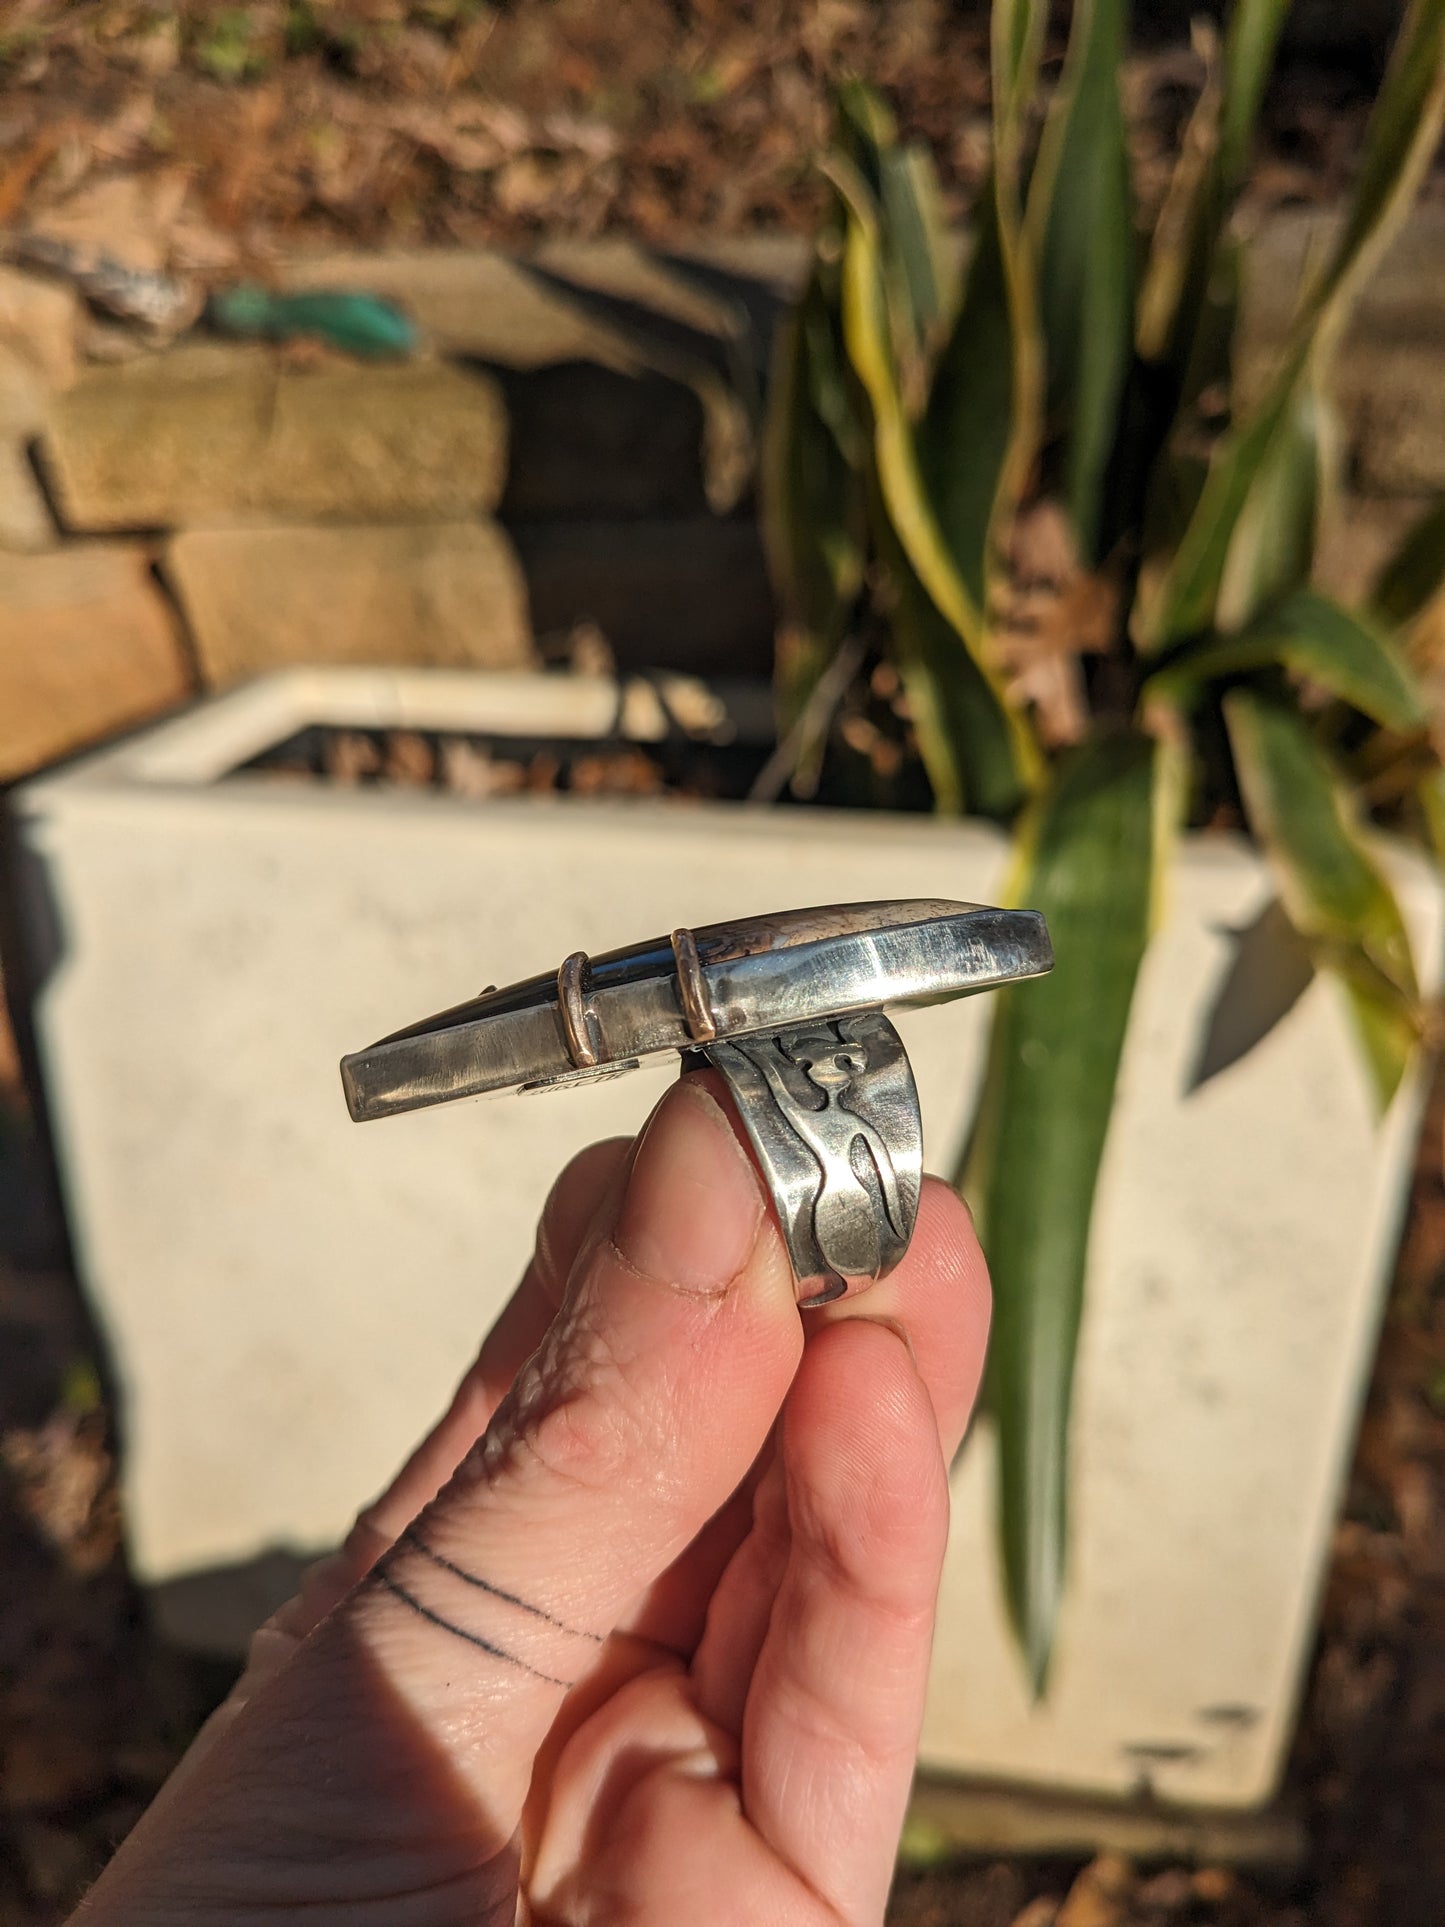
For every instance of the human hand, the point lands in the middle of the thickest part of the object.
(642, 1629)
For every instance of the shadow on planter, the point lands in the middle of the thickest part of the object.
(213, 1613)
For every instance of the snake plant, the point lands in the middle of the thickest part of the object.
(1073, 390)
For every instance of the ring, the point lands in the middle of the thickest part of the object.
(788, 1008)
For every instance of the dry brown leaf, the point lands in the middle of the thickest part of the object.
(589, 653)
(10, 1074)
(112, 240)
(468, 770)
(1099, 1897)
(245, 155)
(571, 133)
(1050, 614)
(123, 137)
(467, 48)
(409, 760)
(16, 178)
(350, 757)
(525, 185)
(1214, 1885)
(1040, 1912)
(63, 1473)
(864, 736)
(154, 47)
(620, 772)
(126, 218)
(456, 133)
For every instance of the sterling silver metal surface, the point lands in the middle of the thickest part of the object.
(832, 1112)
(788, 1008)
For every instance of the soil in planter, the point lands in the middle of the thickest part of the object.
(872, 771)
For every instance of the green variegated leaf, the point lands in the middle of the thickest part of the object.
(971, 407)
(1211, 349)
(900, 481)
(1403, 134)
(1016, 44)
(1182, 604)
(866, 336)
(1299, 808)
(1404, 130)
(812, 504)
(1208, 176)
(913, 220)
(1336, 895)
(1388, 1034)
(864, 126)
(1431, 791)
(963, 735)
(824, 372)
(918, 278)
(979, 436)
(1164, 463)
(1254, 30)
(1272, 548)
(1182, 244)
(1415, 573)
(1090, 857)
(1080, 216)
(1016, 32)
(1312, 637)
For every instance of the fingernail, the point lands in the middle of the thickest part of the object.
(693, 1205)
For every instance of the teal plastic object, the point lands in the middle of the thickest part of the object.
(360, 324)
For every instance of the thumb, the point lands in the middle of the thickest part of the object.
(650, 1397)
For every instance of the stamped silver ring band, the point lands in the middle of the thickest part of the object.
(788, 1008)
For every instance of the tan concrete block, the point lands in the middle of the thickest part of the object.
(446, 594)
(40, 320)
(605, 301)
(1392, 397)
(1403, 299)
(25, 520)
(23, 398)
(621, 271)
(87, 646)
(208, 432)
(1360, 535)
(1389, 375)
(473, 302)
(701, 315)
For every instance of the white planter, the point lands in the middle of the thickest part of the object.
(290, 1298)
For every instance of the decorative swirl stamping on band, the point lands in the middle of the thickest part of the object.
(831, 1109)
(838, 1069)
(833, 1130)
(579, 1025)
(692, 988)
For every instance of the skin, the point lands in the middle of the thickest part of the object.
(641, 1630)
